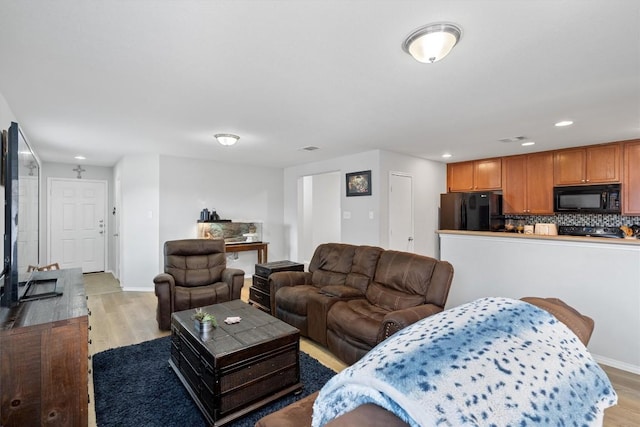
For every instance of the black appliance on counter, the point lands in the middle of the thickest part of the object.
(587, 199)
(471, 211)
(589, 231)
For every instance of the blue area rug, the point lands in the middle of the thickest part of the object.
(135, 386)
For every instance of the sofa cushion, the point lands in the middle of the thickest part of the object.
(335, 257)
(293, 299)
(365, 261)
(390, 299)
(405, 272)
(356, 319)
(190, 297)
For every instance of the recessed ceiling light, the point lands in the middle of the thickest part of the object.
(446, 155)
(564, 123)
(525, 144)
(80, 158)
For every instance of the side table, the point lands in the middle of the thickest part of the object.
(260, 291)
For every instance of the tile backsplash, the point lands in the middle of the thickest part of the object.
(599, 220)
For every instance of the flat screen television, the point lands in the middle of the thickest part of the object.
(21, 179)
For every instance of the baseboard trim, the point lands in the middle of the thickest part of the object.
(634, 369)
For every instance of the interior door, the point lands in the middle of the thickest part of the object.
(77, 223)
(400, 212)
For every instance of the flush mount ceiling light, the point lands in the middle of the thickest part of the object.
(564, 123)
(226, 138)
(432, 42)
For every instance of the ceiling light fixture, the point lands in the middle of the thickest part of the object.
(564, 123)
(526, 144)
(79, 157)
(226, 138)
(446, 155)
(432, 42)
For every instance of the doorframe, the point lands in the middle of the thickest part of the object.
(106, 209)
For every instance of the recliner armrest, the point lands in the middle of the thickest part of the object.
(164, 286)
(234, 278)
(163, 279)
(399, 319)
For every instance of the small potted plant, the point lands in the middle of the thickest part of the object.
(203, 321)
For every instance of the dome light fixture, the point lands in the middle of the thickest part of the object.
(226, 138)
(432, 42)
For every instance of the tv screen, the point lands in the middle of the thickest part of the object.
(21, 173)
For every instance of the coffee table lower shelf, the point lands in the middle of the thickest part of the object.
(296, 388)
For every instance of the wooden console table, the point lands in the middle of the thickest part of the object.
(261, 247)
(44, 356)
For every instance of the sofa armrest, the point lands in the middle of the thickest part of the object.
(234, 278)
(288, 278)
(399, 319)
(164, 285)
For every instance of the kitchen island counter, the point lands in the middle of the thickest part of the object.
(581, 239)
(598, 276)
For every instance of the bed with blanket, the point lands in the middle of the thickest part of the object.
(494, 361)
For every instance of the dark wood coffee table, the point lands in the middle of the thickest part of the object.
(235, 368)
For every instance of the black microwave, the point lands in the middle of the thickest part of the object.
(587, 199)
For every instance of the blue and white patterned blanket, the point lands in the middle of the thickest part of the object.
(491, 362)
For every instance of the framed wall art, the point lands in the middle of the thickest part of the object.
(359, 183)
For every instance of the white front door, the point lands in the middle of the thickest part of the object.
(400, 212)
(77, 223)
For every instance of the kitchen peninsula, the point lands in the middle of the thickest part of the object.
(598, 276)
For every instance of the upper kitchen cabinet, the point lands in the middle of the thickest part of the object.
(631, 178)
(594, 164)
(478, 175)
(527, 186)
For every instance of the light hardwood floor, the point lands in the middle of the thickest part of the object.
(123, 318)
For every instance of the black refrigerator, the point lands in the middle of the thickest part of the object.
(471, 211)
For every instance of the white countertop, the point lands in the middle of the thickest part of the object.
(625, 241)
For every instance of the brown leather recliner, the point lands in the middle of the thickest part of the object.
(195, 275)
(406, 287)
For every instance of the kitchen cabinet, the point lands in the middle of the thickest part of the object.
(527, 186)
(477, 175)
(631, 178)
(587, 165)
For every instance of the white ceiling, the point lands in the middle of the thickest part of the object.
(110, 78)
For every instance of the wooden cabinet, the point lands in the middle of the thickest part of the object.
(631, 178)
(477, 175)
(587, 165)
(527, 187)
(44, 358)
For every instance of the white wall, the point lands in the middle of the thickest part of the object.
(236, 192)
(601, 280)
(429, 180)
(139, 223)
(359, 229)
(64, 170)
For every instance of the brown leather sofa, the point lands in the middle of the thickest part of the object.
(195, 275)
(298, 414)
(353, 297)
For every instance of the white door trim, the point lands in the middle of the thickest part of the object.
(106, 222)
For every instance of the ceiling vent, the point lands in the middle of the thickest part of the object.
(513, 139)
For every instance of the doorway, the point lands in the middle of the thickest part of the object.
(401, 212)
(318, 212)
(77, 227)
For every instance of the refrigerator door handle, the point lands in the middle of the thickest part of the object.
(463, 214)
